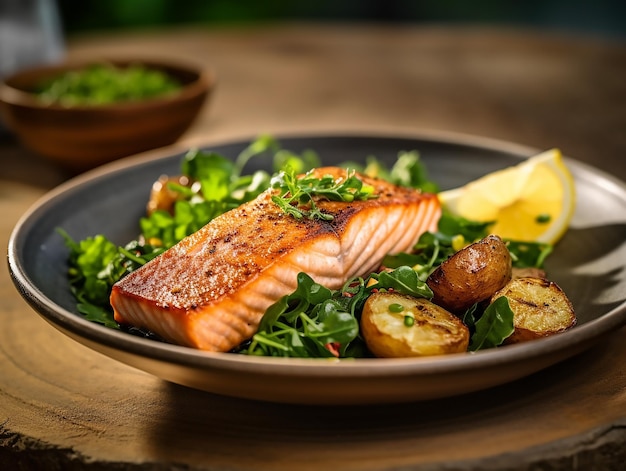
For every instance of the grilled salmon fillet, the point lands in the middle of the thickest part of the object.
(211, 290)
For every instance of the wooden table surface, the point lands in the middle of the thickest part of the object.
(63, 406)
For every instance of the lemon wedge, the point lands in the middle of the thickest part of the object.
(532, 201)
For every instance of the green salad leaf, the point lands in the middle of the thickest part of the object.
(219, 185)
(493, 327)
(408, 170)
(95, 264)
(529, 254)
(314, 321)
(404, 280)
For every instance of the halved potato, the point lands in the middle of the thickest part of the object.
(430, 330)
(540, 308)
(471, 275)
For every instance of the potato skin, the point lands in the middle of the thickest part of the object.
(540, 308)
(471, 275)
(435, 331)
(532, 272)
(161, 197)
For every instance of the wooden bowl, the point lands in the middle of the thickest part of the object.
(79, 138)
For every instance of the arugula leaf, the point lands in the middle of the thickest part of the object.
(451, 225)
(408, 170)
(404, 280)
(261, 145)
(303, 322)
(469, 318)
(209, 167)
(95, 264)
(97, 314)
(307, 160)
(188, 217)
(529, 254)
(334, 324)
(494, 325)
(306, 322)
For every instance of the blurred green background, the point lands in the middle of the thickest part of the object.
(598, 17)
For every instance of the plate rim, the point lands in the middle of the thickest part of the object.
(77, 325)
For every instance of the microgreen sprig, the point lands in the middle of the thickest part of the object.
(297, 196)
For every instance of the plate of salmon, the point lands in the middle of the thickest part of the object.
(188, 312)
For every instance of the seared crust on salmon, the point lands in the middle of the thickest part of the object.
(211, 290)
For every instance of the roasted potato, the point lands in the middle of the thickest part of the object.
(161, 197)
(471, 275)
(540, 308)
(395, 325)
(528, 272)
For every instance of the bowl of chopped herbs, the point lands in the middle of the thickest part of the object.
(81, 114)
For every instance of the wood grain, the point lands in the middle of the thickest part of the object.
(63, 406)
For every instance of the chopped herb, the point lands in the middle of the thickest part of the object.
(543, 218)
(396, 307)
(297, 195)
(101, 84)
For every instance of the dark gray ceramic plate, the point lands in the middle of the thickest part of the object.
(588, 263)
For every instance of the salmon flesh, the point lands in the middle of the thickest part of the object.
(211, 290)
